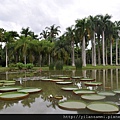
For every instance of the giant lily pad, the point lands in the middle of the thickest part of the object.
(8, 88)
(72, 105)
(103, 107)
(64, 77)
(106, 93)
(29, 90)
(83, 91)
(87, 79)
(1, 84)
(117, 91)
(70, 88)
(59, 97)
(76, 77)
(93, 83)
(46, 79)
(9, 83)
(56, 80)
(64, 83)
(13, 95)
(92, 97)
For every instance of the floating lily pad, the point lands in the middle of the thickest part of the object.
(8, 88)
(106, 93)
(1, 84)
(87, 79)
(9, 83)
(64, 77)
(2, 81)
(83, 91)
(103, 107)
(56, 80)
(63, 83)
(13, 95)
(76, 77)
(70, 88)
(117, 91)
(92, 97)
(93, 83)
(59, 97)
(29, 90)
(46, 79)
(72, 105)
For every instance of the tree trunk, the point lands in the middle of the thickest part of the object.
(99, 59)
(110, 52)
(117, 52)
(73, 53)
(106, 53)
(25, 59)
(94, 51)
(83, 52)
(6, 57)
(103, 48)
(49, 59)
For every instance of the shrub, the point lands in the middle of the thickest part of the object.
(59, 65)
(12, 66)
(78, 64)
(29, 65)
(20, 65)
(51, 66)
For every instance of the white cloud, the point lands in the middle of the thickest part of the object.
(37, 14)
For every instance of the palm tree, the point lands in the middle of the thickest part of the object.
(44, 34)
(103, 21)
(82, 27)
(71, 36)
(53, 32)
(26, 32)
(23, 44)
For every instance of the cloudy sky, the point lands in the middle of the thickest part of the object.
(38, 14)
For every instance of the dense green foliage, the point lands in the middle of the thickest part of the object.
(27, 47)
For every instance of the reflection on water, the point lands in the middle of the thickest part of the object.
(40, 103)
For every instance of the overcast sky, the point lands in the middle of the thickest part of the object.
(38, 14)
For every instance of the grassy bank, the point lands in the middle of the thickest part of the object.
(3, 69)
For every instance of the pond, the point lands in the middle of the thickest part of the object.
(43, 103)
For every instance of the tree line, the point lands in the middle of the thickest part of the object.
(27, 47)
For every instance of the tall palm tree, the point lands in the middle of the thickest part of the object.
(82, 27)
(23, 44)
(53, 32)
(71, 36)
(103, 21)
(44, 34)
(26, 32)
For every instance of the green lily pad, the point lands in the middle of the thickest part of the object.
(72, 105)
(106, 93)
(64, 77)
(1, 84)
(92, 97)
(70, 88)
(87, 79)
(8, 88)
(29, 90)
(84, 91)
(103, 107)
(46, 79)
(76, 77)
(93, 83)
(13, 95)
(63, 83)
(2, 81)
(56, 80)
(117, 91)
(59, 97)
(9, 83)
